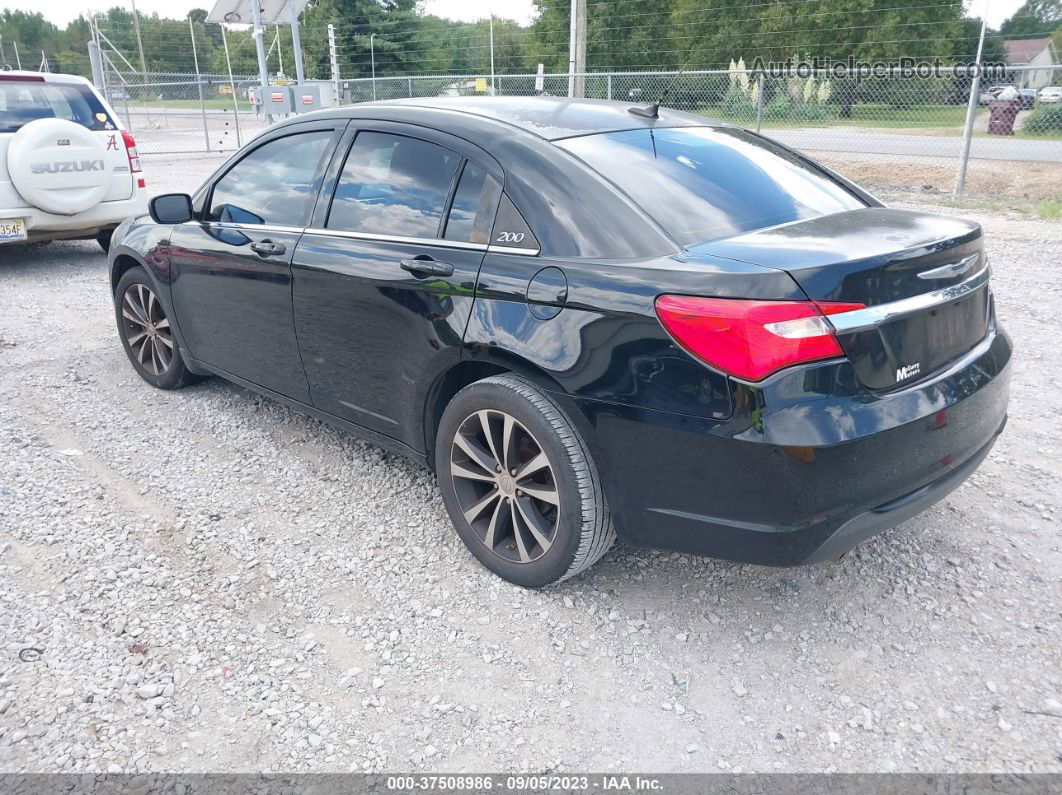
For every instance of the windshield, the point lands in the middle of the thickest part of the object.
(23, 101)
(705, 183)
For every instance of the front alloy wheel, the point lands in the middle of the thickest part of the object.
(146, 332)
(147, 329)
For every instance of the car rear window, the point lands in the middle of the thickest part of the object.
(706, 183)
(24, 101)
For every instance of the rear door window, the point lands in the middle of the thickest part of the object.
(472, 210)
(705, 183)
(23, 101)
(275, 183)
(393, 185)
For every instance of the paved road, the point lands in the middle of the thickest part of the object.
(840, 139)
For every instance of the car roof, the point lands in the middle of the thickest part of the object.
(49, 77)
(553, 118)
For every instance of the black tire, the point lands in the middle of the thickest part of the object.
(104, 239)
(166, 373)
(580, 529)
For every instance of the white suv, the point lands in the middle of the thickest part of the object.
(1051, 94)
(67, 168)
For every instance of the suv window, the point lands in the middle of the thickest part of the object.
(274, 184)
(472, 209)
(23, 101)
(393, 185)
(705, 183)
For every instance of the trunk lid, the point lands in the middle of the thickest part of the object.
(918, 273)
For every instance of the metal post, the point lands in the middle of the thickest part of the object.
(609, 91)
(759, 102)
(372, 59)
(971, 112)
(493, 80)
(139, 41)
(409, 81)
(334, 63)
(296, 45)
(259, 46)
(96, 63)
(18, 59)
(199, 84)
(232, 86)
(577, 50)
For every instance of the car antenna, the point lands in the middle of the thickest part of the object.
(653, 111)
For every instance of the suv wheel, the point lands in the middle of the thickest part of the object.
(519, 483)
(146, 333)
(104, 239)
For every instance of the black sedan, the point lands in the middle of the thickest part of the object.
(588, 318)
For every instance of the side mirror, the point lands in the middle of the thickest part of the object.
(171, 208)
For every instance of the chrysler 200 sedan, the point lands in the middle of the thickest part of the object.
(588, 318)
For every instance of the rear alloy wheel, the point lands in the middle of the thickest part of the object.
(519, 484)
(505, 486)
(147, 334)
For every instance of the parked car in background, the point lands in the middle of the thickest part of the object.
(67, 168)
(587, 317)
(1050, 94)
(1027, 97)
(989, 94)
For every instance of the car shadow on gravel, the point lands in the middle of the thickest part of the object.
(632, 573)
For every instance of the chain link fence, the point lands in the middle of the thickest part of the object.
(184, 114)
(909, 122)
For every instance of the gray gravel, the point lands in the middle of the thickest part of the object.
(219, 583)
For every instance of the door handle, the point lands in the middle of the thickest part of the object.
(427, 267)
(267, 248)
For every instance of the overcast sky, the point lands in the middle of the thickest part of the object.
(62, 11)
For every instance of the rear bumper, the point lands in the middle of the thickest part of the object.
(808, 480)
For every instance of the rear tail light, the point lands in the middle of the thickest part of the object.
(130, 149)
(752, 339)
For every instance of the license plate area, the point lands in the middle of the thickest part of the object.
(912, 348)
(12, 230)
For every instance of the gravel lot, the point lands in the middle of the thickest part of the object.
(220, 583)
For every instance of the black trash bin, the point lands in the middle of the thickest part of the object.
(1003, 112)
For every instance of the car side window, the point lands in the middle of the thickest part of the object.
(472, 210)
(274, 184)
(393, 185)
(511, 230)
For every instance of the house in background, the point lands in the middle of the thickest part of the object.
(1033, 52)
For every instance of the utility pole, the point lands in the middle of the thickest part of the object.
(372, 60)
(232, 87)
(493, 81)
(259, 46)
(199, 85)
(139, 41)
(577, 50)
(334, 62)
(296, 45)
(971, 112)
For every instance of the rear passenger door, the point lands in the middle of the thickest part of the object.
(384, 279)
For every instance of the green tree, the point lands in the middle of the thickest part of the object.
(1034, 19)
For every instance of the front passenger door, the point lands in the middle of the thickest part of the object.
(231, 284)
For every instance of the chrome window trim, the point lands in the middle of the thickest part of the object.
(523, 252)
(256, 227)
(417, 241)
(859, 319)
